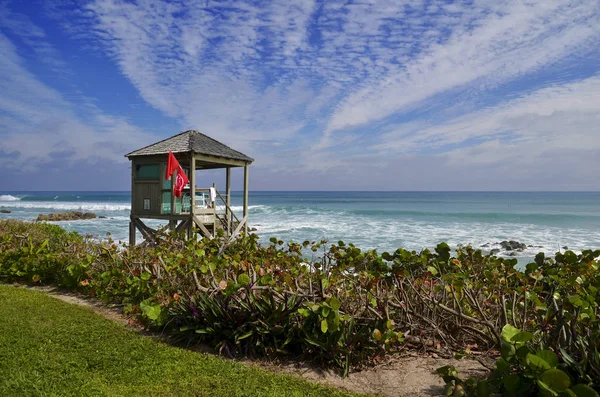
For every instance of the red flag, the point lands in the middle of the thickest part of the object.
(180, 181)
(172, 165)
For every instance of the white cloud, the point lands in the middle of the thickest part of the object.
(558, 116)
(349, 88)
(38, 123)
(515, 39)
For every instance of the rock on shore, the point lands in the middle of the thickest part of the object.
(5, 211)
(512, 245)
(66, 216)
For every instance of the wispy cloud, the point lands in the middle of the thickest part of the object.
(501, 43)
(559, 116)
(39, 125)
(337, 88)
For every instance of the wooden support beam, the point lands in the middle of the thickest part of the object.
(204, 230)
(228, 200)
(182, 226)
(131, 225)
(148, 235)
(131, 232)
(220, 161)
(214, 207)
(243, 224)
(190, 229)
(245, 199)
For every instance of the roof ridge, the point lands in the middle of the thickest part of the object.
(220, 143)
(191, 141)
(156, 143)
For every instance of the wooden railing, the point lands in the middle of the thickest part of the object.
(227, 220)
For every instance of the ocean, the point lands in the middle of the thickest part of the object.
(544, 221)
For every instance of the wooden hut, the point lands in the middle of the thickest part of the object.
(203, 208)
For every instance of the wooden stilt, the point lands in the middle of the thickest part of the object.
(131, 232)
(190, 229)
(228, 200)
(148, 233)
(246, 168)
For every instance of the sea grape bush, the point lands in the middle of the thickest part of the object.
(333, 304)
(523, 369)
(41, 253)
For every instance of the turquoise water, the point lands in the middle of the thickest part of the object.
(547, 221)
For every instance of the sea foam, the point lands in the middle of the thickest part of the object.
(67, 206)
(8, 197)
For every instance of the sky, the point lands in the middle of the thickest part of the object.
(324, 95)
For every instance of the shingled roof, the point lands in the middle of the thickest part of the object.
(189, 141)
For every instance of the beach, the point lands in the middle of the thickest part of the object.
(542, 221)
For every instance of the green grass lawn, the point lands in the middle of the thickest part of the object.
(52, 348)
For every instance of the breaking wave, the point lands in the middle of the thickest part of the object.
(8, 197)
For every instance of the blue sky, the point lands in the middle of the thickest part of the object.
(325, 95)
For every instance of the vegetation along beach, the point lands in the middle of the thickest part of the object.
(335, 306)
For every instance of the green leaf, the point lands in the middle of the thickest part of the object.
(584, 391)
(333, 323)
(522, 351)
(335, 304)
(150, 309)
(432, 270)
(325, 311)
(539, 259)
(508, 332)
(512, 383)
(531, 267)
(556, 379)
(243, 279)
(377, 334)
(304, 312)
(145, 276)
(502, 366)
(536, 363)
(549, 356)
(324, 326)
(507, 350)
(246, 335)
(443, 251)
(522, 337)
(545, 389)
(483, 388)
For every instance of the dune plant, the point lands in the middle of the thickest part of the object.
(332, 304)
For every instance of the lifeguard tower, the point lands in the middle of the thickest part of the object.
(202, 208)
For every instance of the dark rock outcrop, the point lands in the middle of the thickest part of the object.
(494, 251)
(66, 216)
(5, 211)
(101, 217)
(512, 245)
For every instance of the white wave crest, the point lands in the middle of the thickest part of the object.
(239, 208)
(71, 206)
(8, 197)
